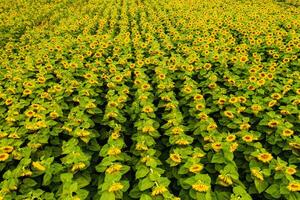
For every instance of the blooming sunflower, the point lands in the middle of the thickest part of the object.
(265, 157)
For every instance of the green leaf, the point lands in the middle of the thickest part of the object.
(261, 185)
(107, 196)
(141, 172)
(274, 190)
(145, 197)
(218, 158)
(145, 184)
(47, 178)
(29, 182)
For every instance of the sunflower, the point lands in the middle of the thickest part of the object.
(287, 132)
(217, 146)
(290, 170)
(38, 166)
(294, 186)
(200, 187)
(273, 123)
(265, 157)
(7, 149)
(233, 100)
(29, 113)
(175, 157)
(158, 190)
(199, 106)
(27, 92)
(141, 147)
(230, 138)
(147, 109)
(196, 168)
(229, 114)
(116, 187)
(114, 168)
(211, 127)
(182, 142)
(177, 130)
(198, 97)
(248, 138)
(224, 180)
(257, 173)
(4, 156)
(256, 108)
(8, 102)
(78, 166)
(113, 151)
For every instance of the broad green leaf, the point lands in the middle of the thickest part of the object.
(107, 196)
(141, 172)
(145, 184)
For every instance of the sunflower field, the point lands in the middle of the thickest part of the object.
(149, 99)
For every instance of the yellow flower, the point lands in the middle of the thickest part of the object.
(276, 96)
(115, 187)
(182, 142)
(158, 190)
(287, 132)
(187, 89)
(7, 149)
(177, 130)
(148, 129)
(53, 115)
(27, 92)
(199, 187)
(198, 97)
(83, 133)
(225, 180)
(272, 103)
(114, 168)
(245, 126)
(221, 101)
(243, 59)
(233, 146)
(198, 155)
(30, 113)
(8, 102)
(273, 123)
(38, 166)
(115, 135)
(4, 156)
(199, 106)
(233, 100)
(217, 146)
(211, 126)
(290, 170)
(203, 116)
(145, 86)
(141, 147)
(247, 138)
(113, 151)
(257, 174)
(175, 157)
(78, 166)
(148, 109)
(3, 135)
(229, 114)
(26, 173)
(195, 168)
(294, 186)
(256, 108)
(294, 145)
(265, 157)
(230, 138)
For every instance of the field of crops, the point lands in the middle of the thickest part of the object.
(149, 99)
